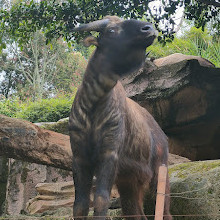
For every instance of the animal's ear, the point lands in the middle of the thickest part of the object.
(90, 41)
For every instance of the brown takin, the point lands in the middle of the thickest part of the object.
(112, 137)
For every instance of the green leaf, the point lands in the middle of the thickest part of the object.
(69, 44)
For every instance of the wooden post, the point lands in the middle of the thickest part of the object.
(161, 187)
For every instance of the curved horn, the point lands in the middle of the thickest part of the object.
(93, 26)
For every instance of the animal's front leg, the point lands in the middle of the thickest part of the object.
(105, 178)
(82, 176)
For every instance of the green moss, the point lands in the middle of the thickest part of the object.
(60, 126)
(179, 170)
(186, 169)
(195, 189)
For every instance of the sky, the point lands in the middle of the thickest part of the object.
(177, 16)
(1, 76)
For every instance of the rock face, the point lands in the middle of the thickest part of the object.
(22, 179)
(52, 196)
(184, 98)
(178, 57)
(195, 190)
(3, 182)
(24, 176)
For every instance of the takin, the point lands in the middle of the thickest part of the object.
(112, 137)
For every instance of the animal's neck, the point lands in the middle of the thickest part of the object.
(96, 96)
(99, 80)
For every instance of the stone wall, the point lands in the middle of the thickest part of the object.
(22, 179)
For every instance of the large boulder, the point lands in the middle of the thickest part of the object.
(184, 98)
(178, 57)
(195, 190)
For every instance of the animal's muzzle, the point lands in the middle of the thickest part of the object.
(148, 29)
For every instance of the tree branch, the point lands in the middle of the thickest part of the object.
(210, 2)
(26, 74)
(23, 140)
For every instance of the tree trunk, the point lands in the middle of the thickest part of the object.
(25, 141)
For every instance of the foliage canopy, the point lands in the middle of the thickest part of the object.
(193, 42)
(58, 18)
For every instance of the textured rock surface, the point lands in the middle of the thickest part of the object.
(22, 179)
(195, 190)
(24, 176)
(178, 57)
(52, 196)
(184, 98)
(3, 182)
(61, 194)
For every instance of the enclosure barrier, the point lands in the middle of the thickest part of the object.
(161, 187)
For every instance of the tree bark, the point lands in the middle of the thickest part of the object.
(23, 140)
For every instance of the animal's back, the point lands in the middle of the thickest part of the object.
(145, 144)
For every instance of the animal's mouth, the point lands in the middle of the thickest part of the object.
(152, 34)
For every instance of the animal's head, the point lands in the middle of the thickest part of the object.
(122, 42)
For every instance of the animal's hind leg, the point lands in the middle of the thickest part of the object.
(131, 195)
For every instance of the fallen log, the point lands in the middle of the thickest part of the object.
(23, 140)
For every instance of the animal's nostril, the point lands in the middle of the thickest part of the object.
(146, 28)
